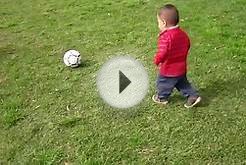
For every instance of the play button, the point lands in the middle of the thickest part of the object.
(122, 82)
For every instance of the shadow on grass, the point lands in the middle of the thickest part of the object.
(87, 63)
(220, 88)
(214, 89)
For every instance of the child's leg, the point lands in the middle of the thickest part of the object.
(165, 86)
(184, 86)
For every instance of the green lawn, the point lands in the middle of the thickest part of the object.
(51, 114)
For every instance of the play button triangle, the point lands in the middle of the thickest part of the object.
(123, 82)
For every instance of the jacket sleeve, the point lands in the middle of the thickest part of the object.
(162, 50)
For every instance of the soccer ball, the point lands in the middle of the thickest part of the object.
(72, 58)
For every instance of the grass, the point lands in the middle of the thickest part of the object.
(51, 114)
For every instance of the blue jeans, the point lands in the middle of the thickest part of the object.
(165, 86)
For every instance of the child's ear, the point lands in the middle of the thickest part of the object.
(164, 22)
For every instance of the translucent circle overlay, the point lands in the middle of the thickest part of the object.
(108, 82)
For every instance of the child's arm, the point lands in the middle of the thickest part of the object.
(163, 44)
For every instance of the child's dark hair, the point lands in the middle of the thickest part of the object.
(174, 19)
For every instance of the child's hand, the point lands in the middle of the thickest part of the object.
(161, 23)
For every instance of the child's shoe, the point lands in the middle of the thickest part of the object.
(192, 101)
(156, 99)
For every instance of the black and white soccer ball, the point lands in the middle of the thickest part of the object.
(72, 58)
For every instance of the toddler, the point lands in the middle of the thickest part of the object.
(171, 58)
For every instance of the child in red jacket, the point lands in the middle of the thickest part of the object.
(171, 59)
